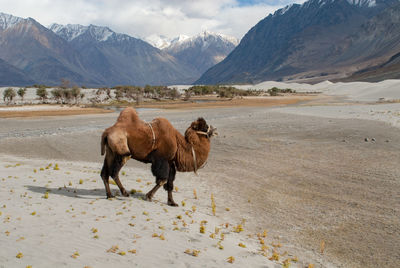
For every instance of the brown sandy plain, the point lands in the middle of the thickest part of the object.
(322, 191)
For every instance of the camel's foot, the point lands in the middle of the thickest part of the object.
(110, 196)
(125, 193)
(172, 203)
(149, 197)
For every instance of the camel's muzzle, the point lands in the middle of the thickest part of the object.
(212, 132)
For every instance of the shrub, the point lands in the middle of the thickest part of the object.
(21, 92)
(8, 95)
(57, 95)
(42, 93)
(76, 93)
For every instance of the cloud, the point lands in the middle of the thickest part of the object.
(144, 18)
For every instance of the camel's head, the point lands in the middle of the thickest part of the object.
(201, 128)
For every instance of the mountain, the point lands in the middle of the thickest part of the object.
(84, 55)
(35, 50)
(202, 51)
(121, 59)
(158, 41)
(317, 40)
(9, 75)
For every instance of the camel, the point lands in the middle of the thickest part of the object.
(156, 142)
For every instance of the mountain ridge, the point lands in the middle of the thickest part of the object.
(315, 39)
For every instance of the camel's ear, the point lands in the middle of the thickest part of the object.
(200, 124)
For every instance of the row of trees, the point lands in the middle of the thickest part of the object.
(221, 91)
(9, 94)
(65, 94)
(60, 95)
(135, 93)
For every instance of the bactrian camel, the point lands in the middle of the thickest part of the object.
(156, 142)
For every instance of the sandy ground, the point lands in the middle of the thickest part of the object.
(320, 178)
(60, 218)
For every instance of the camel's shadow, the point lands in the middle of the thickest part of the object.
(79, 193)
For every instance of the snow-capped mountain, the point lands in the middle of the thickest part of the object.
(7, 21)
(363, 3)
(203, 50)
(317, 40)
(122, 59)
(71, 31)
(85, 55)
(158, 41)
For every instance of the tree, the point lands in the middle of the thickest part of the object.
(174, 93)
(21, 92)
(188, 94)
(9, 94)
(76, 93)
(57, 95)
(66, 95)
(42, 93)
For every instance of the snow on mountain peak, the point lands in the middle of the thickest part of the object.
(158, 41)
(363, 3)
(180, 39)
(100, 33)
(72, 31)
(7, 21)
(69, 31)
(360, 3)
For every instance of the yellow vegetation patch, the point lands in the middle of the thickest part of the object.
(113, 249)
(194, 194)
(19, 255)
(241, 245)
(75, 255)
(193, 252)
(231, 259)
(239, 228)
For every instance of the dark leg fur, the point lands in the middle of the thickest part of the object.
(118, 163)
(105, 176)
(165, 175)
(169, 186)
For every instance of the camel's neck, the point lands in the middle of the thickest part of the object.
(185, 159)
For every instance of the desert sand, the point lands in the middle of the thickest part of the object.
(321, 177)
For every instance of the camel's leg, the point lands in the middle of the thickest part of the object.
(169, 186)
(105, 176)
(150, 194)
(119, 162)
(160, 170)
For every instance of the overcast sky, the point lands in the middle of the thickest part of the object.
(150, 17)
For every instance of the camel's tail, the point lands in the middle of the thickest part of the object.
(103, 142)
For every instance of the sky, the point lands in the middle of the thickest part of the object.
(144, 18)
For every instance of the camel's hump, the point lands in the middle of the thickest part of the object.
(127, 114)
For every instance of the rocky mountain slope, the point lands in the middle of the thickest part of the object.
(318, 40)
(203, 50)
(9, 75)
(85, 55)
(35, 50)
(121, 59)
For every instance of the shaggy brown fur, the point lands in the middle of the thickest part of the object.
(131, 137)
